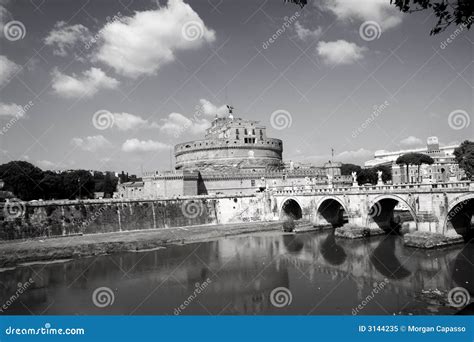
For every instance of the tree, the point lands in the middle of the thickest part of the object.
(459, 12)
(78, 184)
(414, 159)
(464, 155)
(52, 185)
(370, 175)
(23, 179)
(347, 169)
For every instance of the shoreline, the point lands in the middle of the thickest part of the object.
(15, 253)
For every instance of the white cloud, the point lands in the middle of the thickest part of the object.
(381, 11)
(135, 145)
(176, 124)
(210, 109)
(126, 121)
(340, 52)
(91, 143)
(305, 33)
(86, 85)
(63, 38)
(11, 109)
(141, 44)
(7, 69)
(411, 141)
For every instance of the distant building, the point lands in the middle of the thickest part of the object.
(444, 169)
(235, 157)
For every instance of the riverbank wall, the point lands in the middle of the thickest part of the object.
(26, 220)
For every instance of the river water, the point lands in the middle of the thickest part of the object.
(268, 273)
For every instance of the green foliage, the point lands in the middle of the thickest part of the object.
(347, 169)
(29, 182)
(23, 179)
(370, 175)
(458, 12)
(464, 155)
(414, 159)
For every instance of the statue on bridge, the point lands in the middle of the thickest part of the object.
(354, 178)
(379, 175)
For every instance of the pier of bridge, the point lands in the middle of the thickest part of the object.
(443, 209)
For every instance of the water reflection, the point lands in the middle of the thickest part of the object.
(325, 275)
(386, 262)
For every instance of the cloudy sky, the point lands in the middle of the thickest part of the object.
(113, 85)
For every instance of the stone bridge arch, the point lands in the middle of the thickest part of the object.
(291, 207)
(381, 213)
(330, 211)
(459, 216)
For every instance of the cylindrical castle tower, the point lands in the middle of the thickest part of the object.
(231, 144)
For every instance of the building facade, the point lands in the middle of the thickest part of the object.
(444, 169)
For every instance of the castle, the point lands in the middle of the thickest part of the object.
(235, 157)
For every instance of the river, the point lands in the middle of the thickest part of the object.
(267, 273)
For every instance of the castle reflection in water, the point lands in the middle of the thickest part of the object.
(324, 275)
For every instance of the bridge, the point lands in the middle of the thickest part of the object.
(443, 208)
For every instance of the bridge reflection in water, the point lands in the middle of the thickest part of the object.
(324, 274)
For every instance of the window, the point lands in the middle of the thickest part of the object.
(253, 132)
(237, 131)
(246, 132)
(252, 182)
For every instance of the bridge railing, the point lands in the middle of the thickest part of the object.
(421, 187)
